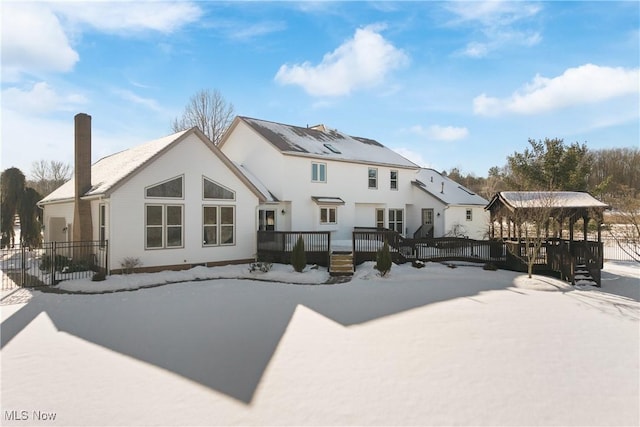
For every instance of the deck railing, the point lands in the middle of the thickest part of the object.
(277, 246)
(367, 242)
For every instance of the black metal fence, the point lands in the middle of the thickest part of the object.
(52, 263)
(276, 246)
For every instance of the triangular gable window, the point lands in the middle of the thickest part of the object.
(171, 189)
(213, 190)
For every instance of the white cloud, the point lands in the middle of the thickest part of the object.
(127, 17)
(149, 103)
(35, 36)
(33, 40)
(40, 99)
(497, 21)
(360, 62)
(441, 133)
(586, 84)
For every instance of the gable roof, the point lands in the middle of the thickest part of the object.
(321, 142)
(445, 189)
(111, 171)
(543, 199)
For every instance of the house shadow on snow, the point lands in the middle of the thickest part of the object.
(222, 334)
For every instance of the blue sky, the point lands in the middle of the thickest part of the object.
(447, 84)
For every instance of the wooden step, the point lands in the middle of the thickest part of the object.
(341, 264)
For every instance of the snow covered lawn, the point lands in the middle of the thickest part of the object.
(431, 346)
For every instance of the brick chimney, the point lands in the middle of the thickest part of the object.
(82, 224)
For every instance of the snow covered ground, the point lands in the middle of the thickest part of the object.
(431, 346)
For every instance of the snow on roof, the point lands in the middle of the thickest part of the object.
(110, 170)
(561, 199)
(446, 189)
(268, 195)
(319, 141)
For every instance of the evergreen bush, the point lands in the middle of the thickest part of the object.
(383, 260)
(299, 256)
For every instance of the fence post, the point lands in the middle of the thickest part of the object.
(53, 264)
(23, 266)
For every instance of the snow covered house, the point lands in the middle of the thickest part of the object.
(447, 208)
(321, 179)
(173, 203)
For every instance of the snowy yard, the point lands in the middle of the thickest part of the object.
(431, 346)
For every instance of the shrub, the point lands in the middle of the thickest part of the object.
(490, 266)
(59, 262)
(383, 260)
(98, 277)
(128, 264)
(299, 256)
(417, 263)
(260, 266)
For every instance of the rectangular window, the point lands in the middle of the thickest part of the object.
(469, 215)
(396, 220)
(373, 178)
(328, 215)
(319, 172)
(163, 224)
(102, 220)
(379, 218)
(219, 225)
(393, 180)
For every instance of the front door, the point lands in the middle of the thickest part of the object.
(267, 220)
(427, 223)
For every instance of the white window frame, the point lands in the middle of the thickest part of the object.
(181, 177)
(164, 226)
(393, 220)
(393, 182)
(327, 215)
(375, 178)
(204, 178)
(469, 215)
(318, 172)
(219, 226)
(380, 223)
(102, 224)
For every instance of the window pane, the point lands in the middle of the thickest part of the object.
(332, 215)
(154, 237)
(174, 236)
(210, 215)
(226, 235)
(174, 215)
(314, 171)
(216, 191)
(154, 215)
(226, 215)
(170, 189)
(323, 215)
(323, 172)
(399, 215)
(210, 235)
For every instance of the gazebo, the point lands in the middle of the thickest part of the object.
(523, 219)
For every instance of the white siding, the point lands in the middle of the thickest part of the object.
(192, 160)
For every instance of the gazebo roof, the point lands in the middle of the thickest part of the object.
(546, 199)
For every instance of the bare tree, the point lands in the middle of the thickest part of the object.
(625, 226)
(46, 176)
(209, 111)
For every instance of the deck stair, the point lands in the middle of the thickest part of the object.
(341, 263)
(582, 276)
